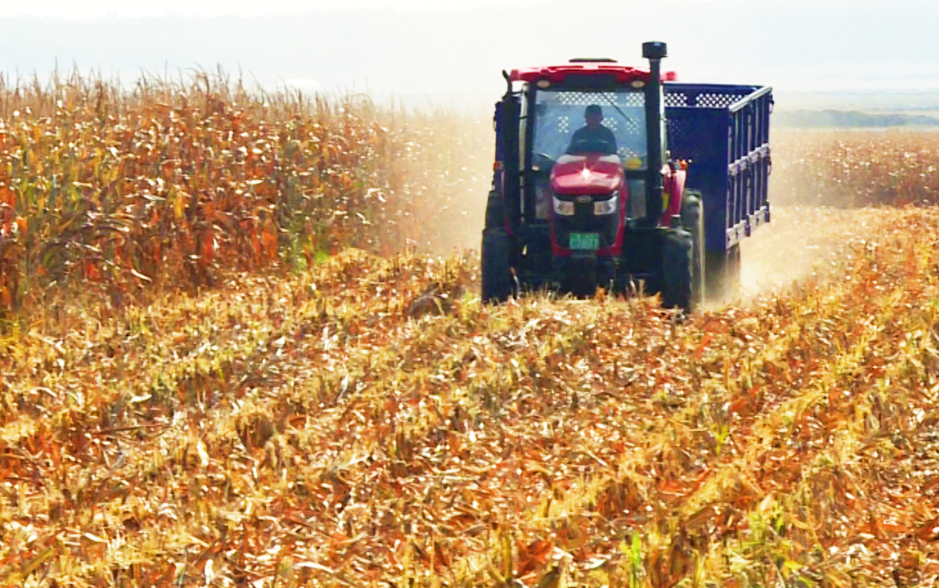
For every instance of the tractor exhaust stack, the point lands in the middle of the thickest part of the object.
(654, 51)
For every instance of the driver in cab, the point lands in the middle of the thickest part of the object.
(594, 137)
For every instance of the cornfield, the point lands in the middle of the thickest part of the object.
(294, 392)
(857, 168)
(174, 183)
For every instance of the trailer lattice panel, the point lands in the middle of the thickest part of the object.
(627, 99)
(703, 99)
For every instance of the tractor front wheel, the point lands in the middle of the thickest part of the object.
(677, 272)
(497, 279)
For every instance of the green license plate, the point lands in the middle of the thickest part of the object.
(585, 241)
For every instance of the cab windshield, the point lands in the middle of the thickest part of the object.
(562, 124)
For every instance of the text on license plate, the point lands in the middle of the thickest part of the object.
(585, 241)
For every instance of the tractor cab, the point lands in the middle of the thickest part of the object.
(583, 130)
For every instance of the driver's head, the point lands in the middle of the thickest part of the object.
(593, 115)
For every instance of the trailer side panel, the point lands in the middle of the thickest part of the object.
(722, 131)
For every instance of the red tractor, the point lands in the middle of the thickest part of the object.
(653, 191)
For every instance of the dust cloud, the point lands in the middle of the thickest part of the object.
(801, 241)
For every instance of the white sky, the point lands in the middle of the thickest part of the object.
(457, 47)
(84, 9)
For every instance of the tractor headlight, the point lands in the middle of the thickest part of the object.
(602, 207)
(563, 207)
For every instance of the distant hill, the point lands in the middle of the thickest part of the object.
(848, 119)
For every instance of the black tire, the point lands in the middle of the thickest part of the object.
(495, 211)
(692, 217)
(722, 269)
(734, 270)
(677, 251)
(497, 279)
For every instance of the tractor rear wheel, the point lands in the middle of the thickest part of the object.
(677, 253)
(495, 211)
(497, 277)
(692, 217)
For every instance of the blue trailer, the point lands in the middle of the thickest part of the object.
(654, 192)
(723, 132)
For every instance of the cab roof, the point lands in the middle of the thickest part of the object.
(586, 67)
(558, 73)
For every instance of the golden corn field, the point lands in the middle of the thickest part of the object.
(176, 182)
(238, 350)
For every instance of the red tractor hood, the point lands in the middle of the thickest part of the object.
(593, 174)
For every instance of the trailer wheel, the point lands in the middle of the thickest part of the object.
(692, 217)
(495, 211)
(722, 271)
(734, 266)
(677, 253)
(497, 277)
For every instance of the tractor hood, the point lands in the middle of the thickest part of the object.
(592, 174)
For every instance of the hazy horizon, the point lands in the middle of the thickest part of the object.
(454, 52)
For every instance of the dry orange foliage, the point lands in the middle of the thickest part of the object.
(850, 168)
(370, 422)
(169, 183)
(367, 422)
